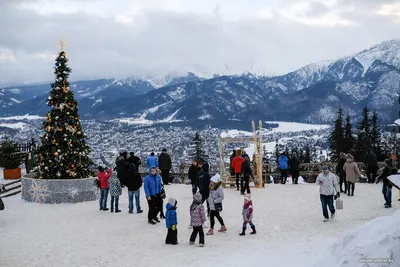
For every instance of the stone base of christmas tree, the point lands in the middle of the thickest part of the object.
(49, 191)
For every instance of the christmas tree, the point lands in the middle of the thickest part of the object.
(64, 153)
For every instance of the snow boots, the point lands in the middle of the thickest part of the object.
(244, 231)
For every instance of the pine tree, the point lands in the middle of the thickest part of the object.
(363, 142)
(336, 137)
(64, 152)
(376, 136)
(307, 156)
(198, 146)
(348, 137)
(301, 156)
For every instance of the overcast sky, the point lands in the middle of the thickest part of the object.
(119, 38)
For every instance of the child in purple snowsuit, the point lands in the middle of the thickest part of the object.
(197, 219)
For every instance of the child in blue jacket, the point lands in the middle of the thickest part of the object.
(171, 221)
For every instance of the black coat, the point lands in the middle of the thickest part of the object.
(193, 171)
(294, 164)
(371, 160)
(133, 180)
(340, 165)
(384, 176)
(135, 160)
(164, 161)
(246, 168)
(231, 170)
(203, 181)
(122, 168)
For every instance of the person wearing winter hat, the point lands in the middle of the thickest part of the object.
(171, 221)
(197, 219)
(352, 174)
(328, 185)
(215, 201)
(387, 186)
(247, 214)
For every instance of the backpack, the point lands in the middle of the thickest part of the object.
(97, 183)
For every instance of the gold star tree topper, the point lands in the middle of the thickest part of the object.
(61, 44)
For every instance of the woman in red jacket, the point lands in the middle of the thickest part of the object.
(103, 176)
(237, 167)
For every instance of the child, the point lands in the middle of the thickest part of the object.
(103, 176)
(115, 192)
(387, 186)
(197, 219)
(171, 221)
(215, 200)
(248, 215)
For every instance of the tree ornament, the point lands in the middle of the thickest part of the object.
(66, 89)
(56, 154)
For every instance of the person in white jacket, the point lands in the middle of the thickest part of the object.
(215, 200)
(328, 186)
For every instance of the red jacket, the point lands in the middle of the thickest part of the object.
(237, 164)
(103, 178)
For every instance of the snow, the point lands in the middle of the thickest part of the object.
(296, 127)
(15, 100)
(397, 122)
(97, 101)
(236, 133)
(395, 179)
(290, 231)
(18, 125)
(24, 117)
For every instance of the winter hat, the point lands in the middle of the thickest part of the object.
(216, 178)
(349, 156)
(325, 168)
(164, 150)
(247, 197)
(172, 201)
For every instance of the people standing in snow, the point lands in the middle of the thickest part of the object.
(152, 188)
(152, 161)
(121, 166)
(193, 172)
(165, 165)
(387, 185)
(237, 166)
(134, 160)
(247, 214)
(215, 200)
(341, 173)
(231, 169)
(352, 174)
(203, 183)
(246, 173)
(171, 222)
(103, 176)
(134, 182)
(283, 163)
(328, 190)
(115, 192)
(197, 219)
(372, 166)
(294, 164)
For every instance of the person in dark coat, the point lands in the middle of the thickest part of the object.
(341, 173)
(165, 165)
(372, 166)
(246, 173)
(193, 171)
(231, 169)
(387, 185)
(121, 167)
(203, 183)
(135, 160)
(294, 165)
(134, 182)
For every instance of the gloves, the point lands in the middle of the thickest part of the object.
(337, 195)
(173, 227)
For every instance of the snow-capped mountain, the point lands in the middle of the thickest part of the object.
(310, 94)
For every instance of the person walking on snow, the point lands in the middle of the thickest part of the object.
(193, 171)
(283, 163)
(341, 173)
(294, 164)
(247, 214)
(372, 166)
(152, 161)
(237, 166)
(197, 219)
(215, 199)
(164, 160)
(352, 174)
(387, 185)
(134, 182)
(171, 222)
(328, 186)
(246, 173)
(115, 192)
(152, 188)
(103, 176)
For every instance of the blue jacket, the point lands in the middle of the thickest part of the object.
(170, 216)
(152, 161)
(283, 162)
(152, 185)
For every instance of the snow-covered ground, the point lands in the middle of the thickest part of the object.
(288, 220)
(25, 117)
(18, 125)
(296, 127)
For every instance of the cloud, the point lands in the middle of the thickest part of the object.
(112, 39)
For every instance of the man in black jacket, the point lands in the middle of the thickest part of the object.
(164, 163)
(341, 173)
(121, 167)
(203, 183)
(294, 165)
(387, 185)
(193, 171)
(135, 160)
(246, 172)
(231, 170)
(134, 182)
(372, 166)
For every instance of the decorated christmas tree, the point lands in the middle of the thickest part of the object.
(64, 152)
